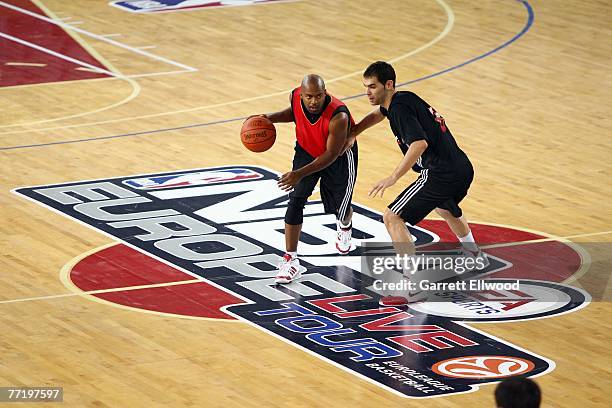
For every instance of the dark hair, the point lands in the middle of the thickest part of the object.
(518, 392)
(381, 71)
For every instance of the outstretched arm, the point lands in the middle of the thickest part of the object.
(335, 141)
(286, 115)
(415, 151)
(368, 121)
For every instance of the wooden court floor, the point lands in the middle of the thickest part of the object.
(524, 86)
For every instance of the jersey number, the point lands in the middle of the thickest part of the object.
(438, 118)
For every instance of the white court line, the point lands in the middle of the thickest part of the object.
(111, 290)
(159, 285)
(535, 241)
(98, 37)
(135, 86)
(111, 35)
(147, 47)
(57, 54)
(84, 69)
(152, 74)
(25, 64)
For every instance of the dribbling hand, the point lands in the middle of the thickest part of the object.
(253, 116)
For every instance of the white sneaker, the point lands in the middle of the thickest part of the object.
(288, 270)
(343, 239)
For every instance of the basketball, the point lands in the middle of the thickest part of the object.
(258, 134)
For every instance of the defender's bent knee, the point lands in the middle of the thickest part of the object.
(389, 217)
(444, 213)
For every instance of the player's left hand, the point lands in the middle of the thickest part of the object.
(381, 186)
(288, 180)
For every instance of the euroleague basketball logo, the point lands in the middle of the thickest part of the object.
(216, 234)
(478, 367)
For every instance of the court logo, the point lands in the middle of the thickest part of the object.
(192, 179)
(156, 6)
(478, 367)
(228, 232)
(535, 299)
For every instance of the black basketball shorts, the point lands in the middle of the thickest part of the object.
(430, 191)
(337, 181)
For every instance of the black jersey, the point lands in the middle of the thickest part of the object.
(412, 119)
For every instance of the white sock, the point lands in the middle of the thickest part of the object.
(348, 226)
(293, 254)
(468, 242)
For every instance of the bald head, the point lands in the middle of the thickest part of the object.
(313, 93)
(313, 82)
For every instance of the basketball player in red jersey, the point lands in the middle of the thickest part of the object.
(322, 124)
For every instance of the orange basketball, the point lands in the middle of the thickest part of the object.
(258, 134)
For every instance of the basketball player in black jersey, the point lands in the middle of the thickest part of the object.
(445, 172)
(322, 124)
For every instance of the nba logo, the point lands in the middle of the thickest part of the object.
(153, 6)
(192, 179)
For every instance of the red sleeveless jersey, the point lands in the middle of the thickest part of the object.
(313, 136)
